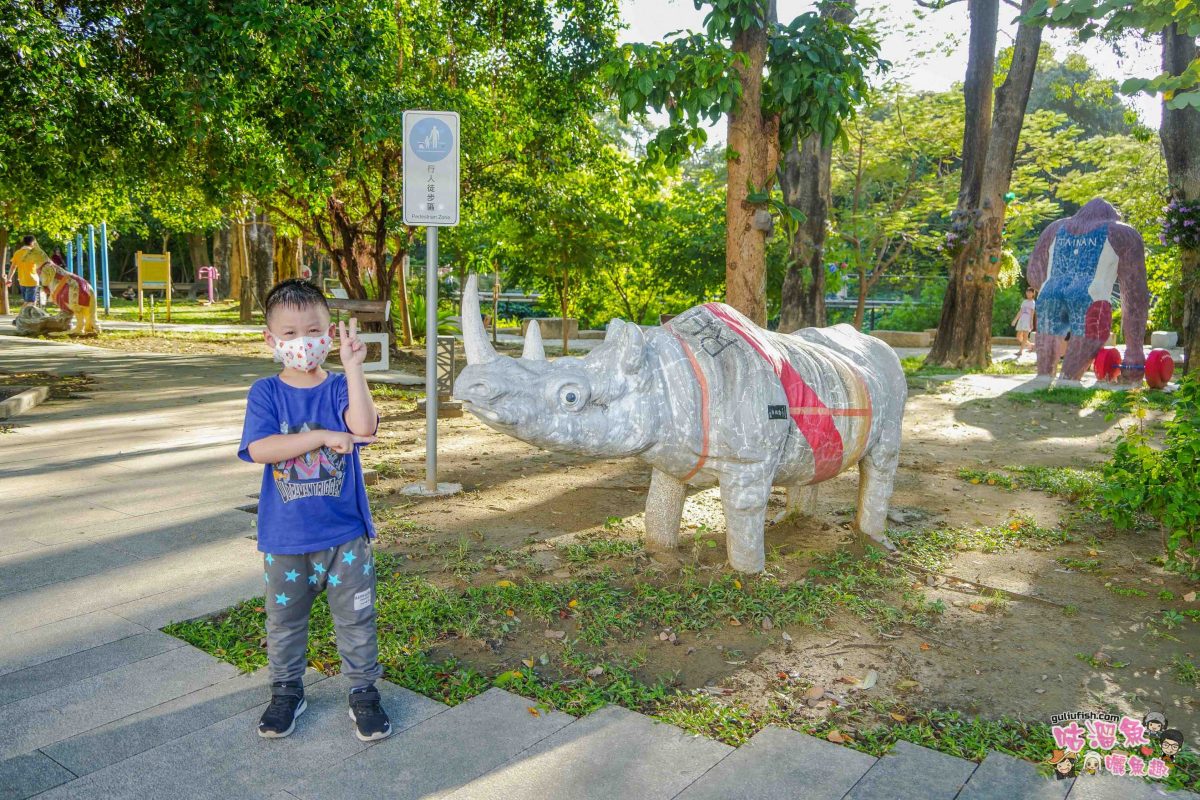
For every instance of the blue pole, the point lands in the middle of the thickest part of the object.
(104, 263)
(70, 256)
(79, 254)
(92, 255)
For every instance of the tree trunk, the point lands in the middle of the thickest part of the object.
(989, 149)
(198, 251)
(805, 181)
(221, 260)
(563, 305)
(287, 257)
(863, 290)
(4, 234)
(242, 278)
(1180, 133)
(261, 244)
(754, 144)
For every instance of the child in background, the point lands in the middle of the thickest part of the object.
(1023, 322)
(306, 425)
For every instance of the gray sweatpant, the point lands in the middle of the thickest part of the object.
(347, 574)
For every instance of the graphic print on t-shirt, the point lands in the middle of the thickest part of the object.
(317, 473)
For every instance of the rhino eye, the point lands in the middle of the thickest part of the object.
(572, 397)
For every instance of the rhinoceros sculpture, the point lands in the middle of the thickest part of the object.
(709, 398)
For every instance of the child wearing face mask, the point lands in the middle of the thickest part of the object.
(306, 425)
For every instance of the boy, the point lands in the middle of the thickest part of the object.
(25, 263)
(314, 523)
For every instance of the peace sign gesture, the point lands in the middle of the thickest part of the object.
(353, 350)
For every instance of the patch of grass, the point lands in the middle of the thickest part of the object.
(1126, 591)
(988, 477)
(387, 391)
(1185, 671)
(1080, 565)
(192, 312)
(586, 552)
(931, 548)
(1071, 483)
(915, 366)
(1106, 400)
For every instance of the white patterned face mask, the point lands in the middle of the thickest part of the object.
(304, 353)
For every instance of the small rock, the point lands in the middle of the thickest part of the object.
(767, 624)
(553, 634)
(595, 672)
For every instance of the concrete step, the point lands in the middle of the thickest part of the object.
(217, 565)
(778, 762)
(51, 675)
(27, 775)
(58, 714)
(127, 737)
(228, 759)
(1104, 786)
(608, 754)
(1002, 777)
(439, 755)
(54, 640)
(909, 770)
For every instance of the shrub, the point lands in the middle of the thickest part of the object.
(1161, 482)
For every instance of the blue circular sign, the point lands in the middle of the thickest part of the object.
(431, 139)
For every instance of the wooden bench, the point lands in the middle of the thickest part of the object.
(376, 311)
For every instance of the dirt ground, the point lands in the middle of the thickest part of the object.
(1064, 640)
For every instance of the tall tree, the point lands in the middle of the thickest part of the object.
(990, 138)
(805, 181)
(775, 82)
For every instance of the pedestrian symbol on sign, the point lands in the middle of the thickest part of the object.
(432, 140)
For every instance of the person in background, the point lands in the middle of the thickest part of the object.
(1023, 321)
(25, 263)
(57, 258)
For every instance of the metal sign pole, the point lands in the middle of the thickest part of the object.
(431, 396)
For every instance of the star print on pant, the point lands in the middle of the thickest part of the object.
(294, 581)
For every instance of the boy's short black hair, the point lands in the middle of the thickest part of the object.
(296, 293)
(28, 240)
(1173, 735)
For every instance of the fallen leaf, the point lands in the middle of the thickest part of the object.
(870, 679)
(907, 685)
(553, 634)
(898, 717)
(737, 584)
(734, 622)
(783, 676)
(527, 662)
(786, 636)
(509, 612)
(573, 604)
(534, 712)
(847, 679)
(835, 737)
(505, 584)
(924, 645)
(978, 608)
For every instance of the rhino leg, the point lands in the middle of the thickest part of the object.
(876, 471)
(744, 498)
(801, 501)
(664, 510)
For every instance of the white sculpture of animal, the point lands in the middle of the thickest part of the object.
(709, 398)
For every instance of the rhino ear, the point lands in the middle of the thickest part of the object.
(628, 344)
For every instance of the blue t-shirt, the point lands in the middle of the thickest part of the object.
(317, 500)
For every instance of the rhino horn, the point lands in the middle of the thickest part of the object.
(534, 350)
(475, 340)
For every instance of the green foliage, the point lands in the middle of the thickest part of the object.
(417, 308)
(815, 75)
(1112, 19)
(1162, 482)
(1163, 278)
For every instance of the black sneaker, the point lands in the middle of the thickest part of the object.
(287, 703)
(370, 720)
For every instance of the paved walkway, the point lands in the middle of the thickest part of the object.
(120, 516)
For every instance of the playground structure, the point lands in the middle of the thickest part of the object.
(209, 273)
(97, 262)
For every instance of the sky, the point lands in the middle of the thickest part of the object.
(928, 54)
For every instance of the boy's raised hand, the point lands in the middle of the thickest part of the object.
(353, 350)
